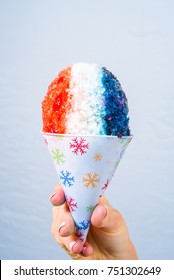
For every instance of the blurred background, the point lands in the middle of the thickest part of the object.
(134, 40)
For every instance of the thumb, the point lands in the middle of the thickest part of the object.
(106, 217)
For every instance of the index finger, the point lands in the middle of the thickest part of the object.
(58, 197)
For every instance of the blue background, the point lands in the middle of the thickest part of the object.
(133, 39)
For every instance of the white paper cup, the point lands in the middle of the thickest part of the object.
(85, 166)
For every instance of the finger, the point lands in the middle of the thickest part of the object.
(58, 197)
(63, 226)
(63, 230)
(87, 250)
(62, 220)
(106, 217)
(72, 244)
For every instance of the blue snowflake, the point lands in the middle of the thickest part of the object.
(66, 179)
(83, 225)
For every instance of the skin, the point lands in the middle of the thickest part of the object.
(108, 237)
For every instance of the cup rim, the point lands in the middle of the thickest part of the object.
(85, 135)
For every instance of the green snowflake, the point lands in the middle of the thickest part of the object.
(90, 208)
(58, 156)
(121, 140)
(127, 143)
(59, 137)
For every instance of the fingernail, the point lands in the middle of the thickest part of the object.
(61, 225)
(52, 195)
(71, 245)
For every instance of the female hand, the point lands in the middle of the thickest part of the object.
(108, 237)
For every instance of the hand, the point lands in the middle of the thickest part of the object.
(108, 237)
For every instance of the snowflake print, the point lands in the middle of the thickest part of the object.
(91, 180)
(106, 185)
(80, 236)
(79, 146)
(90, 208)
(83, 225)
(58, 156)
(127, 143)
(121, 140)
(59, 137)
(71, 204)
(46, 142)
(66, 179)
(98, 157)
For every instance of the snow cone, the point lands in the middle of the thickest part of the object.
(86, 129)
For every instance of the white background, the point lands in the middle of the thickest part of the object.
(133, 39)
(106, 269)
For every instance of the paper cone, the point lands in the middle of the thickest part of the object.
(85, 166)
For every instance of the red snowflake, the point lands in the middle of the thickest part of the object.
(80, 236)
(46, 142)
(71, 204)
(79, 146)
(106, 185)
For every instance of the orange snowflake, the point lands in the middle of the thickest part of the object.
(98, 157)
(91, 180)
